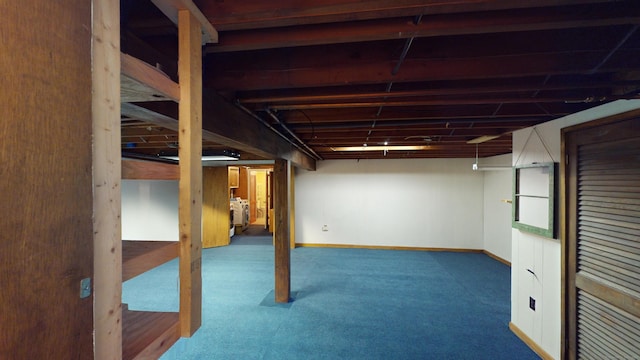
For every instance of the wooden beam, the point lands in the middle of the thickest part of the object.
(171, 8)
(346, 72)
(281, 175)
(431, 25)
(226, 125)
(297, 97)
(107, 178)
(140, 113)
(449, 101)
(238, 15)
(143, 82)
(139, 257)
(190, 184)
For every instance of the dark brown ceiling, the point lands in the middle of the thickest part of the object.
(433, 73)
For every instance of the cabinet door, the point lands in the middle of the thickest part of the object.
(234, 177)
(603, 248)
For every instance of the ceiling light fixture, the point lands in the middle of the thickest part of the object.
(381, 148)
(484, 138)
(207, 155)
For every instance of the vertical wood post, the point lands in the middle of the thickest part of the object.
(292, 208)
(281, 235)
(106, 180)
(190, 184)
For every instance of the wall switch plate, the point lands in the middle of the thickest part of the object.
(532, 303)
(85, 288)
(325, 228)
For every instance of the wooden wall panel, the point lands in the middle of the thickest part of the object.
(243, 189)
(215, 207)
(46, 242)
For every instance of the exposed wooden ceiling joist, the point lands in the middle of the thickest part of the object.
(257, 14)
(409, 72)
(513, 20)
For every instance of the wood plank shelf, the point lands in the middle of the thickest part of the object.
(148, 334)
(141, 256)
(140, 81)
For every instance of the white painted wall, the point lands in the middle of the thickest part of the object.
(496, 212)
(435, 203)
(542, 255)
(150, 210)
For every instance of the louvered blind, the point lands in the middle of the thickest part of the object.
(606, 332)
(608, 242)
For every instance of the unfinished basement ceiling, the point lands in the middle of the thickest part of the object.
(433, 74)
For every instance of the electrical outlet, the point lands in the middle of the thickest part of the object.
(325, 228)
(532, 303)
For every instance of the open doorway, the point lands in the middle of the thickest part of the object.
(258, 192)
(259, 196)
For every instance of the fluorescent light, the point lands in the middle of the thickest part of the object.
(381, 148)
(482, 139)
(491, 168)
(218, 158)
(224, 155)
(205, 158)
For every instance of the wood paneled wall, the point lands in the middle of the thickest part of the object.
(46, 242)
(243, 188)
(215, 207)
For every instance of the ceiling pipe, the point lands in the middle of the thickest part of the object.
(250, 113)
(613, 51)
(275, 117)
(400, 123)
(403, 55)
(407, 46)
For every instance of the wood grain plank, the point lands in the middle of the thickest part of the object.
(171, 8)
(149, 170)
(190, 184)
(46, 246)
(147, 334)
(107, 179)
(143, 82)
(141, 256)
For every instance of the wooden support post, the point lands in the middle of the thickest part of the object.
(106, 180)
(292, 208)
(215, 207)
(190, 184)
(281, 236)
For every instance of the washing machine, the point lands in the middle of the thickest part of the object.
(240, 212)
(232, 228)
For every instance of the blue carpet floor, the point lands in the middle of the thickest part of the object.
(348, 304)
